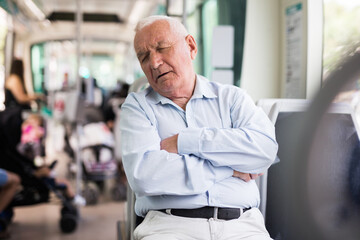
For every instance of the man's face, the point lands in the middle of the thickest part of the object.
(166, 58)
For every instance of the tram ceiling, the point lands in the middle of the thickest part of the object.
(106, 19)
(105, 11)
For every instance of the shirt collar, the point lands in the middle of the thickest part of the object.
(202, 90)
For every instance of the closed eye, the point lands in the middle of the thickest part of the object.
(144, 57)
(162, 49)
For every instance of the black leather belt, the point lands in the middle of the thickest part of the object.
(207, 212)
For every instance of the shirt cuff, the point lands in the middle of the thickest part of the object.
(188, 141)
(223, 173)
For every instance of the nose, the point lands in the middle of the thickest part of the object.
(155, 60)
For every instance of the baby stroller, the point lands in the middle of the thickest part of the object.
(35, 190)
(96, 144)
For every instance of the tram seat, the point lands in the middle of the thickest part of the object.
(271, 107)
(125, 229)
(331, 150)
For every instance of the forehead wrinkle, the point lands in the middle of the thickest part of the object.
(144, 50)
(153, 31)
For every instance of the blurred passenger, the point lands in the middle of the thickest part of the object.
(192, 148)
(9, 184)
(121, 90)
(116, 98)
(109, 116)
(47, 173)
(92, 92)
(32, 132)
(15, 91)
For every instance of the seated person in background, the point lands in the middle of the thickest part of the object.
(192, 148)
(9, 184)
(32, 133)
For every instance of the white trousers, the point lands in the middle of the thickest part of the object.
(161, 226)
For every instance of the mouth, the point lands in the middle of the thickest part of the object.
(161, 75)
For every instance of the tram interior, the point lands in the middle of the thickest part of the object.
(79, 54)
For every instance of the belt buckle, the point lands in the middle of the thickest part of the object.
(216, 211)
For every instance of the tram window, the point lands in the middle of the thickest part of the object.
(341, 31)
(194, 27)
(341, 38)
(106, 61)
(216, 13)
(209, 20)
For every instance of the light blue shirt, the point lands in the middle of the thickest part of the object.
(221, 130)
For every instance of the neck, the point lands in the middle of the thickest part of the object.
(182, 96)
(181, 102)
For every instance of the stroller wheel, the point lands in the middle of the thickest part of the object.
(72, 210)
(3, 225)
(68, 223)
(7, 215)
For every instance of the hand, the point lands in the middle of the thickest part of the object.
(169, 144)
(42, 172)
(247, 176)
(40, 96)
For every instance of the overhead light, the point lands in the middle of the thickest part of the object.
(87, 17)
(34, 10)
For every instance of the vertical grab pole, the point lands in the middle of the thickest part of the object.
(184, 15)
(79, 133)
(78, 88)
(78, 34)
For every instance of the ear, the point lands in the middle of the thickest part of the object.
(192, 46)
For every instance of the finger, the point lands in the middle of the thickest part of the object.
(254, 176)
(246, 177)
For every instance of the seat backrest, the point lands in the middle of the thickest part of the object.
(272, 107)
(329, 164)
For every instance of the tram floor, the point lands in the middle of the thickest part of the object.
(41, 222)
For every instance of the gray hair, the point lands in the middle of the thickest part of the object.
(175, 25)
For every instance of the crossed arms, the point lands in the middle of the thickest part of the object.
(170, 145)
(193, 160)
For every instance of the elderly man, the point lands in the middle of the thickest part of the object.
(191, 148)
